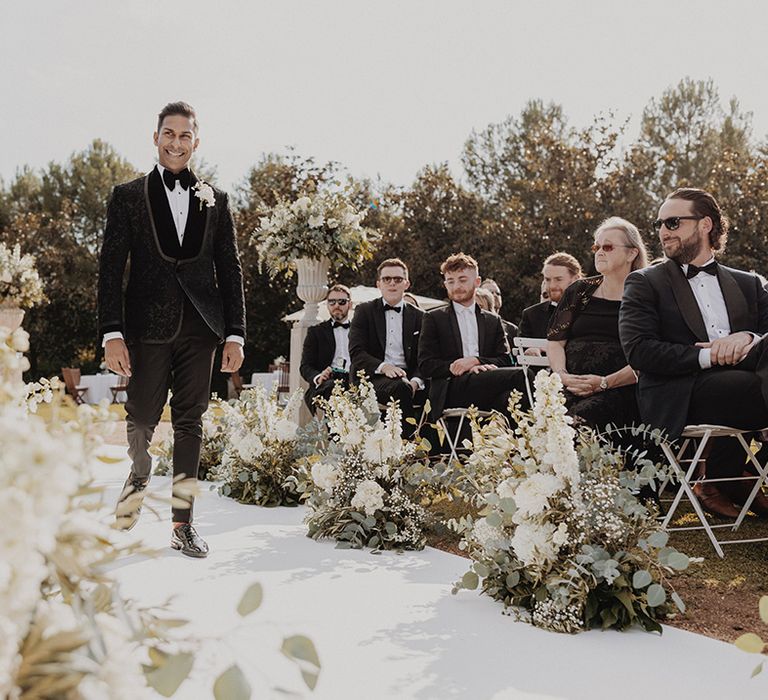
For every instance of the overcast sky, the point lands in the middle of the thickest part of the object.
(383, 87)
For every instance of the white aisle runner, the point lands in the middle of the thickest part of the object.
(386, 626)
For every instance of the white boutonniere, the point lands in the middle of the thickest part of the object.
(204, 192)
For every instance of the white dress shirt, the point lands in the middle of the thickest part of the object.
(711, 302)
(467, 318)
(341, 356)
(394, 351)
(178, 201)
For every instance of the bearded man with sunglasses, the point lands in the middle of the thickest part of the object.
(693, 329)
(384, 340)
(325, 356)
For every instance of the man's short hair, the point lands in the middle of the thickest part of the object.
(704, 204)
(564, 260)
(391, 262)
(339, 288)
(183, 109)
(484, 299)
(488, 281)
(458, 262)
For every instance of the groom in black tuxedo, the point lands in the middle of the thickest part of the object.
(693, 330)
(184, 296)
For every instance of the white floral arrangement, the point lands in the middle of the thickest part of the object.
(20, 284)
(214, 443)
(318, 225)
(261, 463)
(204, 192)
(366, 487)
(560, 536)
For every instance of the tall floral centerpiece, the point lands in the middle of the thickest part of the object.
(562, 538)
(309, 236)
(20, 286)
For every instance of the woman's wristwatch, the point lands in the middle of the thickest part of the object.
(603, 383)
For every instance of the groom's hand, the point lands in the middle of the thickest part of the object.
(116, 357)
(232, 357)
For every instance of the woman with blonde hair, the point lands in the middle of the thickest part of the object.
(583, 335)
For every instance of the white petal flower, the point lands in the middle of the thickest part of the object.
(369, 497)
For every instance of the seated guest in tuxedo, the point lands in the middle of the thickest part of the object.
(384, 340)
(693, 330)
(558, 272)
(325, 356)
(463, 349)
(584, 347)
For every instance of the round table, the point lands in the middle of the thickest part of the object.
(99, 386)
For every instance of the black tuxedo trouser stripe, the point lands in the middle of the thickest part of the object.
(184, 366)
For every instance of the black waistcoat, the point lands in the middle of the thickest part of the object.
(166, 226)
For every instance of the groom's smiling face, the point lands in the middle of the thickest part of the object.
(176, 142)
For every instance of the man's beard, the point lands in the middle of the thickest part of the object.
(687, 251)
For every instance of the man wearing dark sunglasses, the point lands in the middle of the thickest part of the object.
(325, 356)
(693, 329)
(384, 340)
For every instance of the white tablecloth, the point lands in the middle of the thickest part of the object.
(266, 379)
(99, 387)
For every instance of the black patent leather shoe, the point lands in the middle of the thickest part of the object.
(128, 507)
(187, 541)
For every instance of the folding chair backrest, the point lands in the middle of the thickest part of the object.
(526, 361)
(71, 377)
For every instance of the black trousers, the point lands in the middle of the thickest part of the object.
(735, 396)
(183, 366)
(488, 391)
(387, 388)
(323, 390)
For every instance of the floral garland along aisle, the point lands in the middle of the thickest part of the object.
(560, 537)
(367, 486)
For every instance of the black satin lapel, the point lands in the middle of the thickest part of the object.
(481, 319)
(380, 323)
(454, 324)
(409, 326)
(686, 302)
(735, 301)
(162, 219)
(330, 338)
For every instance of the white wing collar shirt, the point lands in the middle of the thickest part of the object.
(467, 318)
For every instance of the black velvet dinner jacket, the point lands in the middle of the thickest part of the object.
(660, 324)
(206, 269)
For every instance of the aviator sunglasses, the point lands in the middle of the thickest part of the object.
(339, 302)
(673, 222)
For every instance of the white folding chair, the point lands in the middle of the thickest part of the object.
(697, 437)
(460, 415)
(526, 361)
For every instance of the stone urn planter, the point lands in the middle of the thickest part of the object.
(11, 317)
(312, 286)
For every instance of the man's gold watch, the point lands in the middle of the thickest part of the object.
(603, 383)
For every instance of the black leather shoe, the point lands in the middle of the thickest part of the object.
(129, 504)
(187, 541)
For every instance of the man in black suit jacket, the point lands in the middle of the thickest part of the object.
(184, 297)
(559, 271)
(463, 349)
(384, 340)
(325, 356)
(692, 328)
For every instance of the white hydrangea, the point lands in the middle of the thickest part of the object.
(532, 494)
(325, 475)
(490, 538)
(532, 543)
(285, 430)
(369, 497)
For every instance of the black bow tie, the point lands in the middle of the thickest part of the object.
(338, 324)
(183, 177)
(396, 309)
(710, 269)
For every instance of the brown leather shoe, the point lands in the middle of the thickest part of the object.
(715, 502)
(738, 492)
